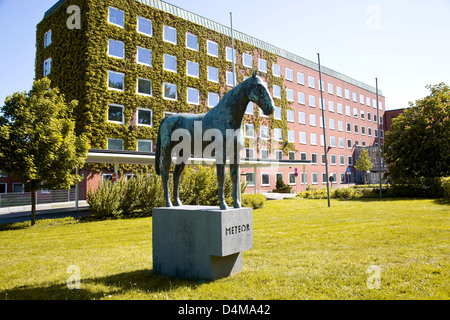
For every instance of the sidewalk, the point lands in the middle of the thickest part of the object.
(61, 208)
(278, 196)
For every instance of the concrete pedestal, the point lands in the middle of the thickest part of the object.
(200, 242)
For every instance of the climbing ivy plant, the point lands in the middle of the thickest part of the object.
(80, 64)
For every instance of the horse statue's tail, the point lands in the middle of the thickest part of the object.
(158, 150)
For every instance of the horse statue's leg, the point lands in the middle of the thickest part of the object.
(166, 161)
(176, 183)
(236, 182)
(221, 183)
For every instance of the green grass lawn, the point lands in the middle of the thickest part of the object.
(302, 250)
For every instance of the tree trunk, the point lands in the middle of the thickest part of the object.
(33, 207)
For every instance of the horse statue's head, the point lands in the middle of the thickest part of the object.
(258, 93)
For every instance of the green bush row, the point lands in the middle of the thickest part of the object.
(420, 188)
(143, 192)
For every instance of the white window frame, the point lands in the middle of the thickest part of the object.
(113, 23)
(47, 38)
(122, 56)
(176, 91)
(6, 187)
(278, 113)
(195, 48)
(47, 66)
(146, 141)
(249, 130)
(117, 73)
(301, 98)
(289, 74)
(141, 50)
(165, 30)
(210, 95)
(267, 174)
(113, 139)
(302, 137)
(143, 93)
(262, 65)
(169, 58)
(264, 132)
(191, 63)
(276, 91)
(276, 70)
(123, 115)
(302, 117)
(311, 82)
(151, 117)
(228, 54)
(149, 34)
(300, 78)
(196, 92)
(290, 95)
(291, 136)
(209, 68)
(211, 51)
(277, 134)
(312, 101)
(247, 56)
(290, 115)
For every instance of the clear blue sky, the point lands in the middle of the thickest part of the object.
(405, 43)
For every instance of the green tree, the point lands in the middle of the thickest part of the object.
(418, 142)
(364, 163)
(38, 145)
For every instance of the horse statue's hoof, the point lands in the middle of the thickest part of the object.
(223, 207)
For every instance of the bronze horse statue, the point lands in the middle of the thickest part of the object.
(222, 123)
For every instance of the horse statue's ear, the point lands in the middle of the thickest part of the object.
(254, 73)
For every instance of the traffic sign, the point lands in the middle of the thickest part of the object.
(296, 174)
(114, 177)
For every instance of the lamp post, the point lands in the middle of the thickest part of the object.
(324, 131)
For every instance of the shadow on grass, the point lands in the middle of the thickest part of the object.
(144, 281)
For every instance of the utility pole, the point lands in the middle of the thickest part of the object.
(324, 131)
(232, 50)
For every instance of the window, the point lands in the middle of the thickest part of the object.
(145, 145)
(302, 136)
(313, 158)
(249, 130)
(47, 66)
(321, 85)
(277, 113)
(193, 96)
(361, 99)
(313, 120)
(191, 41)
(301, 98)
(354, 97)
(3, 188)
(333, 159)
(350, 160)
(145, 26)
(265, 154)
(347, 94)
(144, 56)
(18, 188)
(356, 129)
(278, 154)
(115, 113)
(230, 81)
(213, 99)
(362, 115)
(144, 117)
(339, 91)
(331, 106)
(368, 101)
(276, 70)
(116, 81)
(249, 109)
(332, 124)
(247, 60)
(170, 34)
(369, 132)
(278, 134)
(300, 78)
(249, 178)
(213, 74)
(347, 111)
(349, 143)
(116, 49)
(341, 143)
(340, 125)
(311, 82)
(339, 108)
(355, 113)
(290, 115)
(115, 144)
(290, 95)
(229, 57)
(332, 141)
(170, 91)
(249, 153)
(276, 91)
(304, 177)
(262, 65)
(265, 179)
(363, 130)
(315, 178)
(192, 69)
(303, 156)
(47, 38)
(313, 138)
(144, 87)
(170, 63)
(292, 179)
(212, 48)
(312, 101)
(291, 136)
(302, 118)
(369, 116)
(330, 88)
(264, 132)
(289, 74)
(116, 17)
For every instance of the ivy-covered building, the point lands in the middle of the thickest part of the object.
(131, 62)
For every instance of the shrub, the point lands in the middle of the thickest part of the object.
(445, 183)
(254, 201)
(281, 186)
(107, 199)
